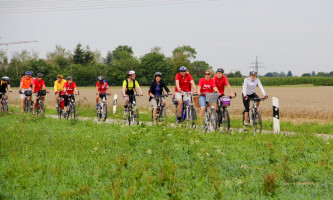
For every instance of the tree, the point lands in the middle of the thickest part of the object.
(79, 54)
(60, 56)
(181, 56)
(313, 73)
(289, 74)
(269, 74)
(88, 56)
(238, 74)
(198, 68)
(122, 52)
(108, 58)
(306, 74)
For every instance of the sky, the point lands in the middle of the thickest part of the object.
(294, 35)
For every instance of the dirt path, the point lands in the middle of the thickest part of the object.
(116, 121)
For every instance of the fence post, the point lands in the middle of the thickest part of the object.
(276, 115)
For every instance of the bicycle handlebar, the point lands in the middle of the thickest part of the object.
(164, 95)
(257, 99)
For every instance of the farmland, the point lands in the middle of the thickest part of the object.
(297, 103)
(44, 159)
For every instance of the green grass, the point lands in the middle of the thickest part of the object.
(48, 158)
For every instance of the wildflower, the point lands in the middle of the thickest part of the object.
(149, 151)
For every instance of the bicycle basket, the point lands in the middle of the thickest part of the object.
(41, 92)
(225, 101)
(28, 93)
(212, 97)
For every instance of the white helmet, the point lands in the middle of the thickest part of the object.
(132, 72)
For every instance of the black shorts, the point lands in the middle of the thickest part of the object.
(247, 102)
(67, 99)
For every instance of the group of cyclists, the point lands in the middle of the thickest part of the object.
(184, 83)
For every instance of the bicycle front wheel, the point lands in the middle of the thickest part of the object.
(226, 120)
(257, 122)
(136, 116)
(99, 113)
(213, 120)
(105, 112)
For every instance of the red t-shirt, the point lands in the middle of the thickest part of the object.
(189, 89)
(206, 86)
(38, 84)
(221, 83)
(70, 87)
(102, 87)
(184, 82)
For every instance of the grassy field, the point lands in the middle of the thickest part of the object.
(50, 159)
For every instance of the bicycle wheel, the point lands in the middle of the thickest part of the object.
(257, 122)
(40, 108)
(2, 107)
(60, 113)
(99, 112)
(193, 116)
(188, 116)
(73, 116)
(212, 120)
(69, 110)
(105, 112)
(163, 114)
(129, 116)
(225, 119)
(136, 116)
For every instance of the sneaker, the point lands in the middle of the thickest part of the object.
(245, 124)
(57, 107)
(179, 119)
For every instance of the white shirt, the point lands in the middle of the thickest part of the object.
(249, 86)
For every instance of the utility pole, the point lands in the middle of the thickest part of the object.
(256, 65)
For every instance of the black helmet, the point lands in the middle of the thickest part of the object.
(100, 78)
(69, 78)
(5, 78)
(40, 75)
(253, 73)
(220, 70)
(158, 74)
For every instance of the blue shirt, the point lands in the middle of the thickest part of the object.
(158, 90)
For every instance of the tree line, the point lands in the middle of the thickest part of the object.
(85, 65)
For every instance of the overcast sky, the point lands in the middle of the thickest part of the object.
(284, 34)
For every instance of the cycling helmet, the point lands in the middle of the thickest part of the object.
(158, 74)
(40, 75)
(183, 68)
(132, 72)
(5, 78)
(100, 78)
(69, 78)
(28, 73)
(60, 76)
(254, 73)
(220, 70)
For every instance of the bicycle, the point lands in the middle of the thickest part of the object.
(188, 111)
(28, 103)
(71, 110)
(132, 115)
(102, 107)
(222, 112)
(4, 102)
(210, 116)
(161, 113)
(254, 115)
(40, 108)
(61, 105)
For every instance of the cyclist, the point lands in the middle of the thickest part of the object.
(4, 86)
(129, 85)
(25, 84)
(221, 81)
(206, 85)
(156, 89)
(69, 88)
(58, 87)
(101, 87)
(249, 86)
(37, 85)
(183, 84)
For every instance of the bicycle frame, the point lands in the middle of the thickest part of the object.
(160, 107)
(133, 114)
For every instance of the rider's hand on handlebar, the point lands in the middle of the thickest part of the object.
(266, 97)
(245, 97)
(232, 95)
(169, 93)
(152, 95)
(141, 94)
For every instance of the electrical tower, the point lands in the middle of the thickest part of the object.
(256, 65)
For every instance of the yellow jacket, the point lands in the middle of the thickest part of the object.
(59, 86)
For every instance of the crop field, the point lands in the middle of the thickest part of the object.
(297, 103)
(46, 158)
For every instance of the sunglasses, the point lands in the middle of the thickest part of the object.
(182, 71)
(207, 74)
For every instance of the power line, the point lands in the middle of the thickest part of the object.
(256, 65)
(86, 6)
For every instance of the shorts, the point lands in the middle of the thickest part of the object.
(178, 96)
(247, 102)
(154, 102)
(22, 96)
(202, 101)
(67, 99)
